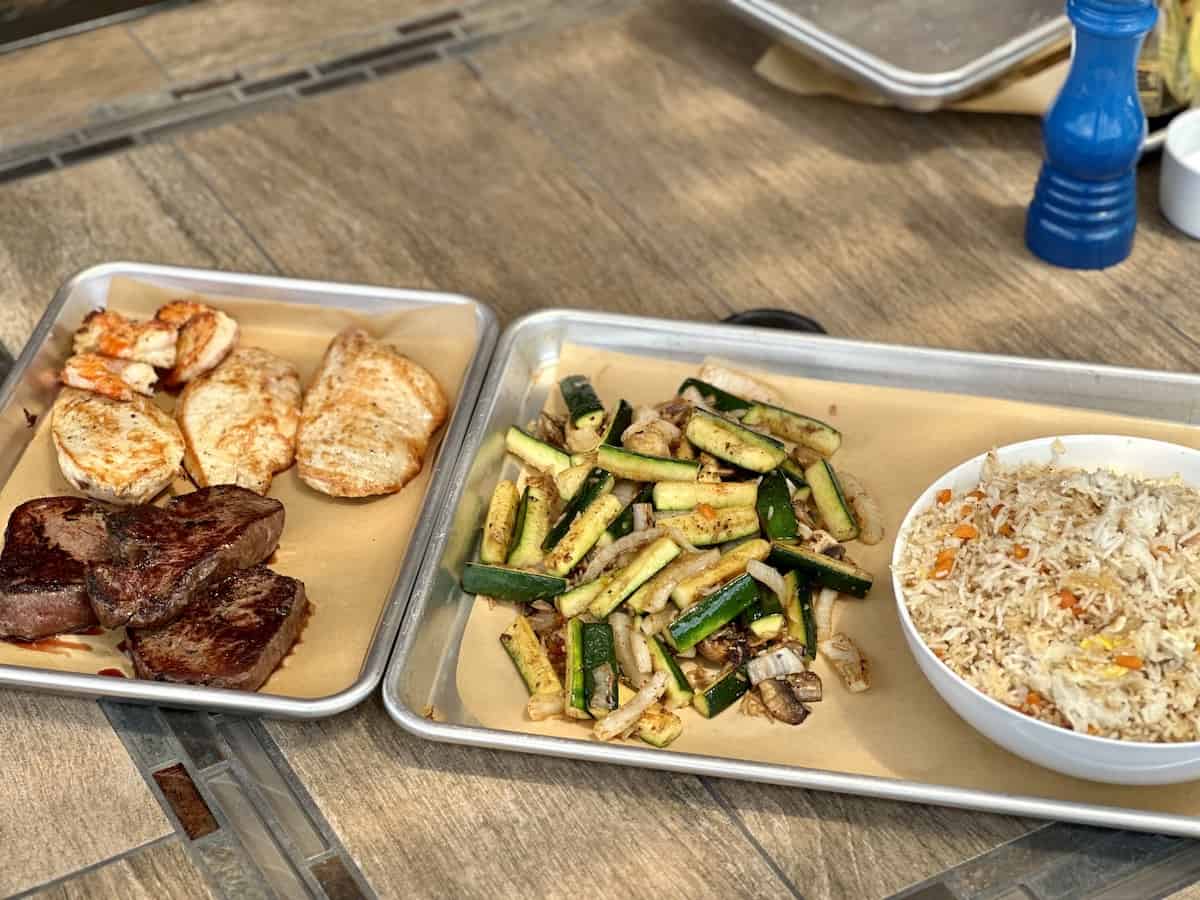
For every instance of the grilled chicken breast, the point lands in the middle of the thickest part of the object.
(118, 452)
(206, 336)
(239, 420)
(117, 379)
(109, 333)
(367, 419)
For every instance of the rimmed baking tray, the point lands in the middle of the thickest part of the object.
(421, 688)
(918, 54)
(311, 306)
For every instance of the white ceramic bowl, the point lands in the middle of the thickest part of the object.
(1068, 752)
(1179, 186)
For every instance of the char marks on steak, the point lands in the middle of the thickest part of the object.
(231, 636)
(163, 558)
(48, 545)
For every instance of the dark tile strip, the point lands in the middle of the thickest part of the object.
(202, 87)
(408, 62)
(335, 880)
(197, 737)
(287, 79)
(331, 84)
(384, 52)
(431, 22)
(187, 804)
(100, 148)
(25, 170)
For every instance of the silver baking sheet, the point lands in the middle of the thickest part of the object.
(421, 673)
(32, 384)
(920, 54)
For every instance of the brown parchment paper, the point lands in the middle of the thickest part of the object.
(897, 442)
(347, 552)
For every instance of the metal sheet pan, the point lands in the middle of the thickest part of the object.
(421, 673)
(919, 54)
(32, 383)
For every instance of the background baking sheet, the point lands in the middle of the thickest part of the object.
(349, 553)
(898, 740)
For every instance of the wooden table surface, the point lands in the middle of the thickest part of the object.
(630, 163)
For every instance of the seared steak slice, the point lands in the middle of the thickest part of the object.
(232, 636)
(47, 545)
(163, 558)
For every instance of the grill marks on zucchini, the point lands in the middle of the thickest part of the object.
(531, 528)
(534, 453)
(597, 484)
(729, 441)
(794, 427)
(582, 535)
(644, 566)
(498, 527)
(715, 611)
(838, 574)
(673, 495)
(722, 693)
(707, 526)
(527, 654)
(640, 467)
(510, 584)
(831, 501)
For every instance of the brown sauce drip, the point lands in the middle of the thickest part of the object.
(94, 630)
(56, 645)
(112, 673)
(123, 646)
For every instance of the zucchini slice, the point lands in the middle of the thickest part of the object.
(644, 566)
(621, 419)
(582, 535)
(659, 728)
(722, 693)
(598, 653)
(831, 502)
(727, 440)
(597, 484)
(767, 604)
(575, 704)
(570, 480)
(798, 429)
(640, 467)
(714, 396)
(583, 406)
(575, 601)
(532, 526)
(510, 584)
(714, 526)
(826, 571)
(672, 495)
(623, 524)
(679, 689)
(535, 453)
(729, 565)
(715, 611)
(528, 655)
(768, 626)
(794, 472)
(810, 623)
(774, 506)
(498, 526)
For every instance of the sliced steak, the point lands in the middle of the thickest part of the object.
(232, 636)
(163, 558)
(47, 546)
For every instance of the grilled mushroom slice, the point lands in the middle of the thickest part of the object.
(727, 647)
(785, 697)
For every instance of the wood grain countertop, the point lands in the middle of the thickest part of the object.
(633, 163)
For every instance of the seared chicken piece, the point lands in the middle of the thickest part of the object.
(118, 379)
(109, 333)
(239, 420)
(367, 419)
(206, 336)
(118, 452)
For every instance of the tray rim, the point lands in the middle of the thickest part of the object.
(375, 661)
(903, 790)
(916, 91)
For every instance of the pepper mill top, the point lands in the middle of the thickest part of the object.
(1084, 208)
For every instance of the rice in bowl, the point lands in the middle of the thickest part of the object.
(1070, 595)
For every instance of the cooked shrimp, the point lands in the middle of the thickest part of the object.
(117, 379)
(109, 333)
(206, 336)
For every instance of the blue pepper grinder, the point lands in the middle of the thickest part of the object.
(1084, 207)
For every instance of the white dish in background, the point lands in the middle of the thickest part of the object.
(1059, 749)
(1179, 187)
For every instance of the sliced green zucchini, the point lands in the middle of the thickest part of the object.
(621, 419)
(640, 467)
(533, 524)
(583, 406)
(659, 728)
(774, 505)
(689, 495)
(731, 563)
(810, 623)
(802, 493)
(792, 609)
(727, 440)
(569, 481)
(597, 484)
(768, 626)
(824, 570)
(798, 429)
(598, 653)
(715, 611)
(623, 524)
(535, 453)
(722, 693)
(498, 526)
(831, 502)
(714, 396)
(582, 535)
(528, 655)
(575, 601)
(575, 704)
(705, 527)
(767, 604)
(794, 472)
(679, 689)
(643, 567)
(510, 584)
